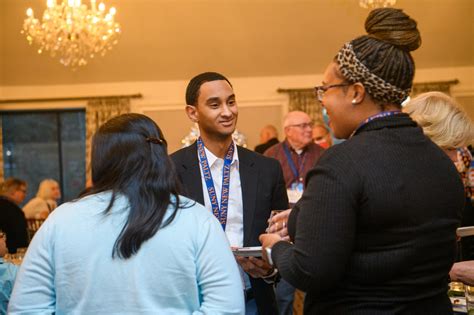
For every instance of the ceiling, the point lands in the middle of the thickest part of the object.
(175, 39)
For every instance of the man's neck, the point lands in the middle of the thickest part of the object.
(218, 146)
(296, 146)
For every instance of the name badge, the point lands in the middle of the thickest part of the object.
(295, 192)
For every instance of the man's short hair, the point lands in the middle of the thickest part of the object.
(192, 91)
(11, 184)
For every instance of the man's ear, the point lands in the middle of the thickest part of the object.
(192, 113)
(358, 93)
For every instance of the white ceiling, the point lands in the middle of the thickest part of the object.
(175, 39)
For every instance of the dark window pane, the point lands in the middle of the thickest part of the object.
(73, 148)
(40, 145)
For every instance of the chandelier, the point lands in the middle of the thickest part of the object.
(72, 31)
(372, 4)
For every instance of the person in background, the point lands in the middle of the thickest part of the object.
(375, 230)
(297, 154)
(322, 135)
(45, 201)
(268, 137)
(7, 275)
(239, 186)
(132, 244)
(12, 219)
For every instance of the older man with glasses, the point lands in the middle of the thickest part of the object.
(12, 218)
(297, 155)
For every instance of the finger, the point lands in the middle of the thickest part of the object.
(283, 232)
(282, 215)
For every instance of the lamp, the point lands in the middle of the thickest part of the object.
(372, 4)
(72, 31)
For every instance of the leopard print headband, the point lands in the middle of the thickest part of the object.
(355, 71)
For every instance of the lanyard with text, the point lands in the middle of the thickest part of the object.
(292, 165)
(219, 212)
(379, 115)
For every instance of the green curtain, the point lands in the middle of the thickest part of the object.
(98, 111)
(440, 86)
(304, 100)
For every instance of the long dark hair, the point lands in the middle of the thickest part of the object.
(130, 158)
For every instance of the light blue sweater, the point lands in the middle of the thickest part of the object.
(7, 278)
(186, 268)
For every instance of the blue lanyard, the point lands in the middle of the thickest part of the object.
(219, 213)
(292, 165)
(379, 115)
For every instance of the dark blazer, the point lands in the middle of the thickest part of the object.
(261, 148)
(263, 190)
(13, 223)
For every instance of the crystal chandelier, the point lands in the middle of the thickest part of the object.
(372, 4)
(72, 31)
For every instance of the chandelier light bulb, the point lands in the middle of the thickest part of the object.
(72, 32)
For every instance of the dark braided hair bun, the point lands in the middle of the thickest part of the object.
(385, 51)
(395, 27)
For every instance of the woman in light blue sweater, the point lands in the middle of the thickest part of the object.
(131, 245)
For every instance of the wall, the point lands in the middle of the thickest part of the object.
(258, 99)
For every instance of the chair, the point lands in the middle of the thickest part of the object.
(32, 226)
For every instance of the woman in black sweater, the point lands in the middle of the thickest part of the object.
(374, 232)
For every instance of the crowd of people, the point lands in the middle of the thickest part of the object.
(367, 226)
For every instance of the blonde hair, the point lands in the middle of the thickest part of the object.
(45, 190)
(442, 120)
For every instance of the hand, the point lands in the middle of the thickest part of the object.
(268, 240)
(463, 271)
(255, 267)
(279, 224)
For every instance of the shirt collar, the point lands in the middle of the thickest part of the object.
(303, 150)
(211, 158)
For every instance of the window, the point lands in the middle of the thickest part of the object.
(45, 144)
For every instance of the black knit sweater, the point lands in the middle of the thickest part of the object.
(374, 232)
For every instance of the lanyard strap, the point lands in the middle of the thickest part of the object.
(219, 212)
(292, 165)
(379, 115)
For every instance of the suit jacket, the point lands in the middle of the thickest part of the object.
(263, 190)
(13, 223)
(261, 148)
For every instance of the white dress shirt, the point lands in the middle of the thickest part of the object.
(234, 229)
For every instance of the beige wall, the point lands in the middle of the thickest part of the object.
(259, 102)
(467, 102)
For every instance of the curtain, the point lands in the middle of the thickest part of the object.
(305, 100)
(1, 149)
(441, 86)
(98, 111)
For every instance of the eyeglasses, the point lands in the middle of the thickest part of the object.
(320, 90)
(303, 125)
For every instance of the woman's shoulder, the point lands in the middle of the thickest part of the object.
(193, 212)
(34, 202)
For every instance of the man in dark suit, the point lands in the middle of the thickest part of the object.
(239, 186)
(12, 218)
